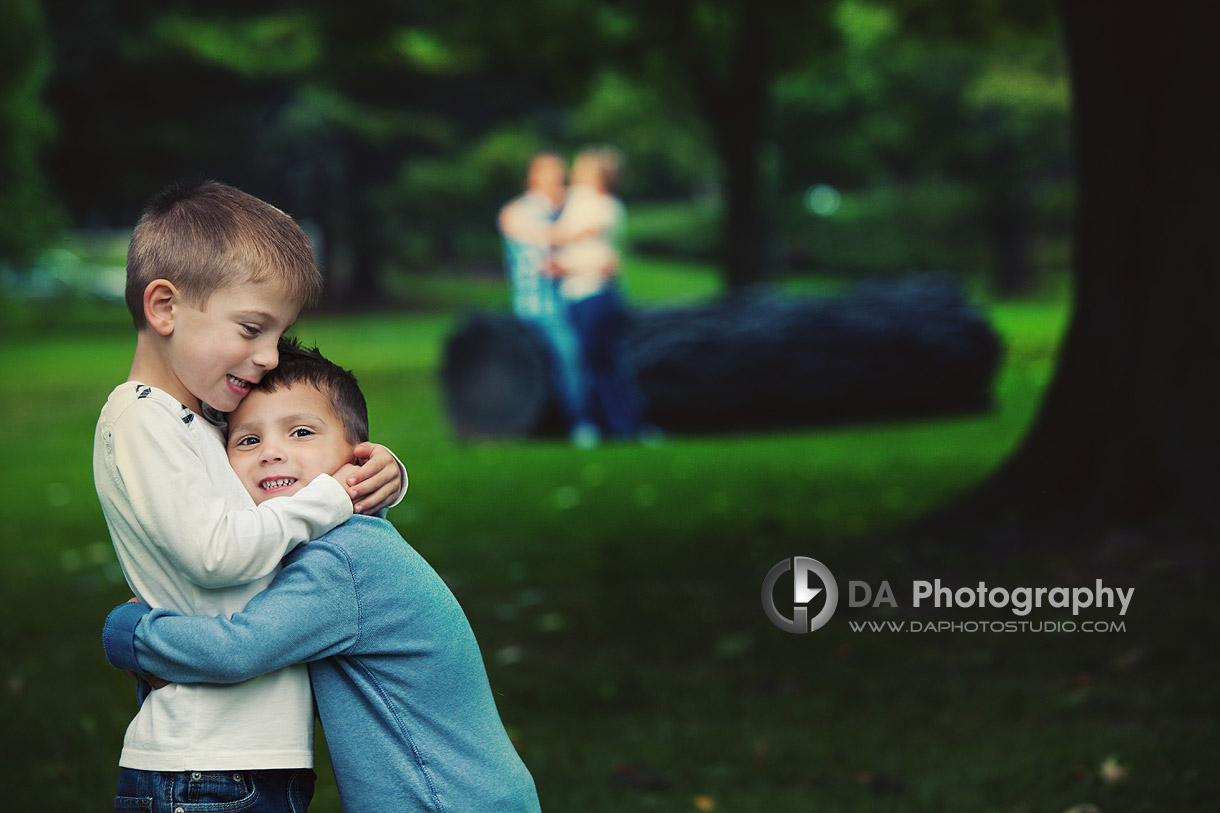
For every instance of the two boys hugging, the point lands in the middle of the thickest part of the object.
(202, 510)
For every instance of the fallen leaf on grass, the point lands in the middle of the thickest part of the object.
(703, 802)
(1110, 771)
(882, 783)
(508, 655)
(734, 645)
(552, 622)
(1127, 659)
(1081, 681)
(639, 776)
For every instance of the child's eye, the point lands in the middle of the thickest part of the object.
(301, 432)
(248, 440)
(251, 331)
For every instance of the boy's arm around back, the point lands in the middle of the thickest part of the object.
(160, 485)
(310, 611)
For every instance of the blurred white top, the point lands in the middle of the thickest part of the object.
(591, 259)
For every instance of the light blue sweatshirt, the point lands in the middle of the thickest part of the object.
(397, 674)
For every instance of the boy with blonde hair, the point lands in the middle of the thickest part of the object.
(215, 277)
(410, 720)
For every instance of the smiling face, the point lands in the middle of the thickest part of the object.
(217, 350)
(280, 441)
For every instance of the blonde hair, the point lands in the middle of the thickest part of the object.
(206, 236)
(609, 162)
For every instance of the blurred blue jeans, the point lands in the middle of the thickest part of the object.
(277, 791)
(566, 364)
(601, 323)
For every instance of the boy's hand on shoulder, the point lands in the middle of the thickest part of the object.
(376, 483)
(345, 475)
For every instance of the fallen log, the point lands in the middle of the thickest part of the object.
(903, 348)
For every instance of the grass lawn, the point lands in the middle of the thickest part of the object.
(616, 595)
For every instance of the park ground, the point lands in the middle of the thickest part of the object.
(616, 594)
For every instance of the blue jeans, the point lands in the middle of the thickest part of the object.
(277, 791)
(600, 321)
(566, 364)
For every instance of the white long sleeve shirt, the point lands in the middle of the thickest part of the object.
(189, 538)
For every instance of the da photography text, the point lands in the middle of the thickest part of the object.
(1020, 600)
(813, 596)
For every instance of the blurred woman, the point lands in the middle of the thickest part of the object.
(586, 259)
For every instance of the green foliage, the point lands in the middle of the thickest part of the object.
(675, 230)
(29, 215)
(398, 129)
(441, 209)
(894, 105)
(369, 124)
(1022, 82)
(432, 55)
(278, 44)
(667, 146)
(885, 229)
(864, 25)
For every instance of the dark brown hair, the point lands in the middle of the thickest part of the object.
(302, 365)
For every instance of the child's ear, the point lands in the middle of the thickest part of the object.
(160, 299)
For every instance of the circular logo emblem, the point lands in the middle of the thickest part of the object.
(809, 578)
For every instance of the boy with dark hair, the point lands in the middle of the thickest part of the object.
(399, 681)
(215, 277)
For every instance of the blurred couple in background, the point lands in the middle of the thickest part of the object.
(562, 256)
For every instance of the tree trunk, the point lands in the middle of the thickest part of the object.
(367, 250)
(1008, 221)
(738, 110)
(1128, 431)
(353, 278)
(745, 250)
